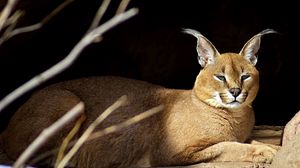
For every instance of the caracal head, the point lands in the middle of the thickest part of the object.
(228, 80)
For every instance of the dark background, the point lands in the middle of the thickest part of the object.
(151, 46)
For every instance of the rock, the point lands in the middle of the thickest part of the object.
(289, 154)
(291, 129)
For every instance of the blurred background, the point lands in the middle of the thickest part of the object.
(151, 46)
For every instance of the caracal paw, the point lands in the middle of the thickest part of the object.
(263, 154)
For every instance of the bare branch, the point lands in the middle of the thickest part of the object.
(13, 32)
(47, 133)
(56, 11)
(67, 61)
(122, 7)
(6, 12)
(99, 14)
(12, 22)
(14, 18)
(120, 102)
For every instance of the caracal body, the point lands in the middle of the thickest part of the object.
(209, 122)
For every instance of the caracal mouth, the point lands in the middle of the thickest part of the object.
(218, 102)
(226, 100)
(229, 101)
(233, 104)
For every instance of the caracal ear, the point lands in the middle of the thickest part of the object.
(250, 49)
(205, 49)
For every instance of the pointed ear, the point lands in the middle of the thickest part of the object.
(250, 49)
(205, 49)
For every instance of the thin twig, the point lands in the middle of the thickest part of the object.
(12, 22)
(122, 7)
(102, 9)
(14, 18)
(13, 32)
(68, 138)
(108, 130)
(57, 10)
(6, 12)
(67, 61)
(126, 123)
(47, 133)
(120, 102)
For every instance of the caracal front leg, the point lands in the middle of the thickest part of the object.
(228, 151)
(254, 142)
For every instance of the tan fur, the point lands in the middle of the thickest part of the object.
(198, 125)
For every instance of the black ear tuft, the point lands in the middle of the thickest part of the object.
(205, 49)
(250, 49)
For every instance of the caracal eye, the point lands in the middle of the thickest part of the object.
(244, 77)
(220, 77)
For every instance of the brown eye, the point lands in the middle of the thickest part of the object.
(221, 77)
(244, 77)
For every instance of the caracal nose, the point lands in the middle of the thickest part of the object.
(235, 91)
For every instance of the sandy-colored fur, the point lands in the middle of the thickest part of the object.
(198, 125)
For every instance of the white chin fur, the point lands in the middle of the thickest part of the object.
(217, 104)
(232, 105)
(216, 101)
